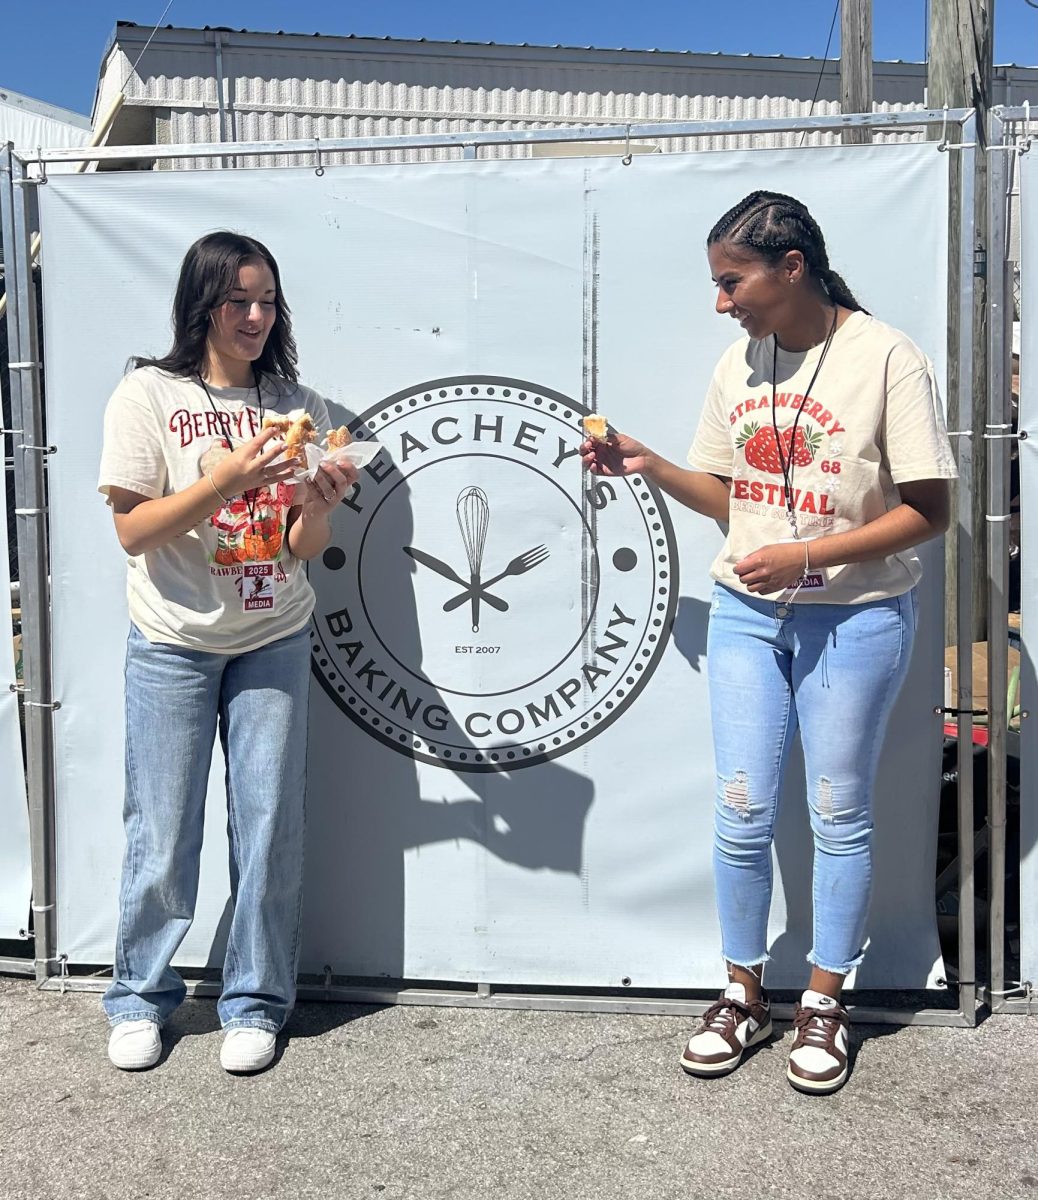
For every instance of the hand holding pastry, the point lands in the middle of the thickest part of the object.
(616, 455)
(325, 490)
(251, 465)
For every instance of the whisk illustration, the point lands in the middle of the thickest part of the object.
(473, 513)
(473, 517)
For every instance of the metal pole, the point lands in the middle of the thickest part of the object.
(221, 99)
(31, 525)
(998, 436)
(501, 997)
(1024, 1002)
(964, 590)
(959, 75)
(513, 137)
(856, 65)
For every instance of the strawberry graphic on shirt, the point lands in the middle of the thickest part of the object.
(762, 449)
(804, 443)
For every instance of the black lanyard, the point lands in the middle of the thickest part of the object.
(250, 501)
(786, 463)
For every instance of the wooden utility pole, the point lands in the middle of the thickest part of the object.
(960, 76)
(856, 63)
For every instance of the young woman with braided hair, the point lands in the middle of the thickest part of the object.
(822, 445)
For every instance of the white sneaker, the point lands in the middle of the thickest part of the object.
(729, 1028)
(818, 1058)
(246, 1049)
(135, 1045)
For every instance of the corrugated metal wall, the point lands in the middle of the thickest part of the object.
(216, 85)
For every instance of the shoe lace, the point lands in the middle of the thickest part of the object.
(723, 1015)
(816, 1028)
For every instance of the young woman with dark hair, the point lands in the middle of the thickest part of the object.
(822, 445)
(216, 533)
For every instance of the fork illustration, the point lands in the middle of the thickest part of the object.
(518, 566)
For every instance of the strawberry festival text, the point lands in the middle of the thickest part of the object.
(812, 408)
(761, 492)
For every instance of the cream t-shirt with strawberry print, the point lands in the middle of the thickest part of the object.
(874, 419)
(163, 433)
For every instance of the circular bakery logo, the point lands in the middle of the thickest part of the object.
(485, 603)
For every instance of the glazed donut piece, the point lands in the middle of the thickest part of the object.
(596, 427)
(296, 429)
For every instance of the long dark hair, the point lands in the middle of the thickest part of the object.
(769, 225)
(207, 275)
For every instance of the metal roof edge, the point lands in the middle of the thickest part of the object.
(320, 42)
(41, 108)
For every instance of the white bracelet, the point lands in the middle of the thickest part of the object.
(209, 476)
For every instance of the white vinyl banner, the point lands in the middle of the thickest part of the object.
(511, 774)
(15, 873)
(1028, 460)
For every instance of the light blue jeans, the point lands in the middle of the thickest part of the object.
(835, 671)
(176, 699)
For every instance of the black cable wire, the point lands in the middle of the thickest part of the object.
(825, 59)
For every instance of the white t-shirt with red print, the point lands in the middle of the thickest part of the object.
(873, 420)
(162, 434)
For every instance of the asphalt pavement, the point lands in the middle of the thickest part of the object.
(409, 1103)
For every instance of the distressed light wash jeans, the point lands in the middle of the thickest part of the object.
(835, 671)
(176, 699)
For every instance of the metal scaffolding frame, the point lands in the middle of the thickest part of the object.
(1009, 135)
(956, 130)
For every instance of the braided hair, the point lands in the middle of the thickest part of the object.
(768, 225)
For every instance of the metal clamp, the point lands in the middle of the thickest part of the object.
(23, 366)
(30, 512)
(1010, 435)
(944, 145)
(53, 705)
(960, 432)
(42, 449)
(940, 711)
(62, 961)
(628, 158)
(1024, 141)
(319, 169)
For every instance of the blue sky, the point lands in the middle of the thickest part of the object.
(51, 49)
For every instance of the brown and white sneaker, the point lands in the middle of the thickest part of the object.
(818, 1059)
(729, 1028)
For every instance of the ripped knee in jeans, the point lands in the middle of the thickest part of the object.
(735, 794)
(824, 804)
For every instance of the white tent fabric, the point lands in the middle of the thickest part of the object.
(30, 124)
(590, 869)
